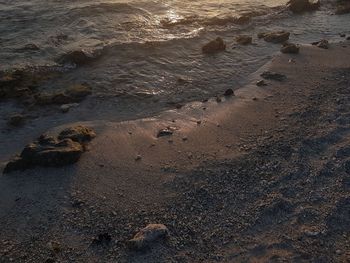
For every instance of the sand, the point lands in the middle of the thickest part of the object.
(255, 178)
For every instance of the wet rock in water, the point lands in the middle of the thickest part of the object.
(148, 235)
(290, 48)
(245, 19)
(342, 35)
(77, 57)
(229, 92)
(72, 94)
(78, 134)
(30, 47)
(214, 46)
(348, 38)
(273, 76)
(165, 132)
(322, 44)
(300, 6)
(244, 40)
(276, 37)
(262, 35)
(49, 151)
(66, 107)
(261, 83)
(343, 7)
(16, 120)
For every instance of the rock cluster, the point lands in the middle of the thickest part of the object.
(214, 46)
(49, 151)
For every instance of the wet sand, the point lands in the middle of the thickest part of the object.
(259, 177)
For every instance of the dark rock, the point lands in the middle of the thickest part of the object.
(72, 94)
(342, 35)
(245, 19)
(300, 6)
(290, 48)
(262, 35)
(16, 120)
(273, 76)
(261, 83)
(322, 44)
(244, 40)
(214, 46)
(78, 134)
(276, 37)
(148, 235)
(30, 47)
(348, 38)
(229, 92)
(343, 7)
(78, 57)
(49, 151)
(102, 239)
(165, 132)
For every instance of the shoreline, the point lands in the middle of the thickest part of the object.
(251, 142)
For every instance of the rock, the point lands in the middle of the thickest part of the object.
(58, 153)
(322, 44)
(343, 7)
(16, 120)
(300, 6)
(342, 35)
(244, 40)
(49, 151)
(348, 38)
(165, 132)
(276, 37)
(78, 58)
(148, 235)
(214, 46)
(73, 94)
(229, 92)
(261, 83)
(102, 239)
(66, 107)
(290, 48)
(245, 19)
(273, 76)
(78, 134)
(262, 35)
(30, 47)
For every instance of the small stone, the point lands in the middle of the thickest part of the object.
(290, 48)
(165, 132)
(261, 83)
(276, 37)
(16, 120)
(300, 6)
(322, 44)
(148, 235)
(244, 40)
(66, 107)
(273, 76)
(229, 92)
(214, 46)
(218, 99)
(138, 158)
(342, 35)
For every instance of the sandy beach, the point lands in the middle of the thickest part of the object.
(261, 176)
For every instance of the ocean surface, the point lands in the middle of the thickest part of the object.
(148, 53)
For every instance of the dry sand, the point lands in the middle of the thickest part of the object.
(257, 177)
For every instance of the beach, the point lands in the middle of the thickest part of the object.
(261, 176)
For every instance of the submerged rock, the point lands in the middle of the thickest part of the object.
(214, 46)
(300, 6)
(148, 235)
(245, 19)
(78, 57)
(16, 120)
(244, 40)
(49, 151)
(290, 48)
(275, 37)
(72, 94)
(273, 76)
